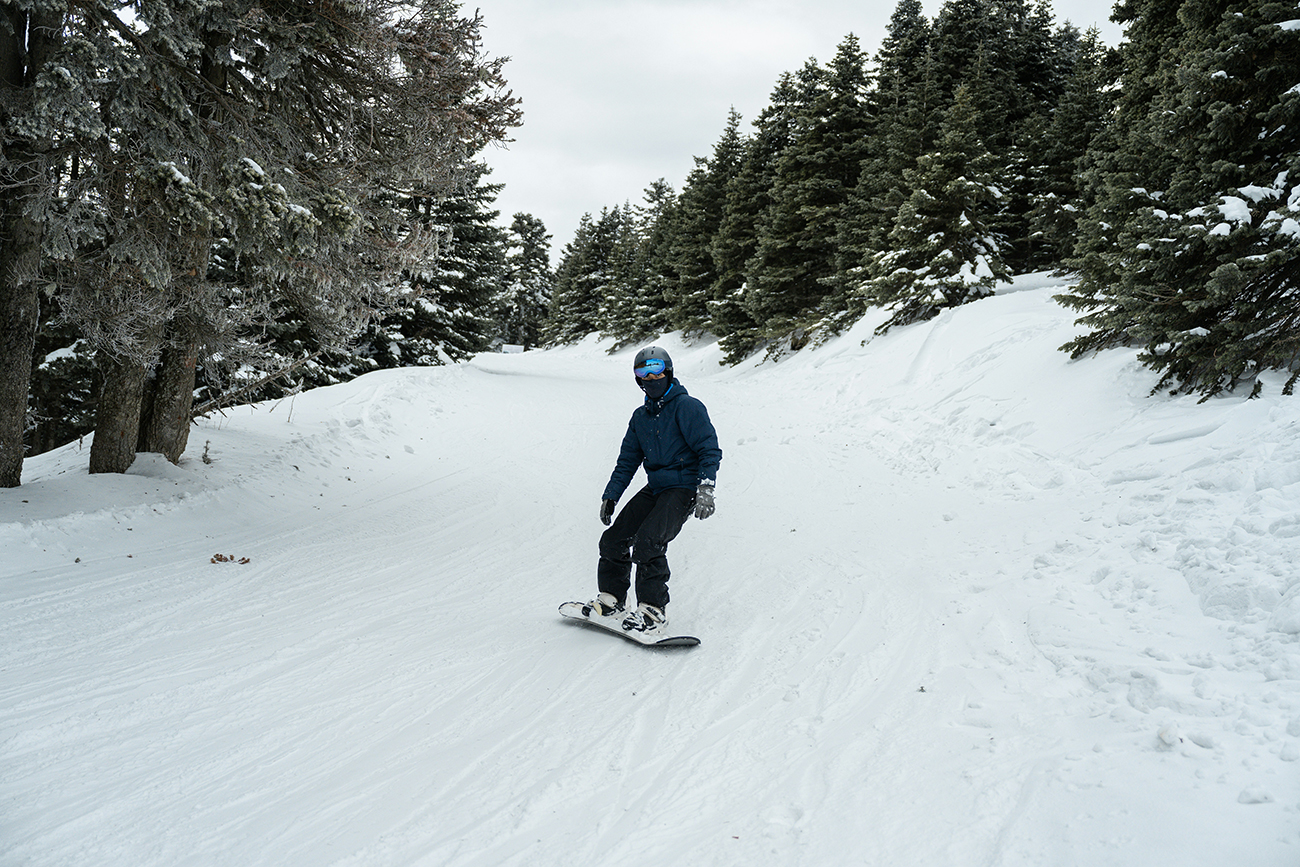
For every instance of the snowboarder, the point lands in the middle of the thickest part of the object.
(670, 433)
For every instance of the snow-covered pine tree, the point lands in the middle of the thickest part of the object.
(591, 277)
(634, 307)
(1205, 274)
(64, 385)
(1037, 59)
(148, 172)
(656, 222)
(966, 34)
(573, 313)
(442, 314)
(41, 77)
(268, 130)
(748, 197)
(1009, 49)
(907, 110)
(698, 215)
(1057, 200)
(440, 310)
(1124, 170)
(521, 305)
(944, 250)
(398, 97)
(794, 266)
(621, 283)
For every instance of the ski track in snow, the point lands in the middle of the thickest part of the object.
(963, 602)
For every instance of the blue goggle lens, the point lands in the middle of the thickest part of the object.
(653, 366)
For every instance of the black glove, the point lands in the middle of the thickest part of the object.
(704, 501)
(606, 511)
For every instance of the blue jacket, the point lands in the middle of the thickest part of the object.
(675, 440)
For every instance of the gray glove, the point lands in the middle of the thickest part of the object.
(606, 512)
(704, 500)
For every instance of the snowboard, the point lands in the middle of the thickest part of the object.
(573, 610)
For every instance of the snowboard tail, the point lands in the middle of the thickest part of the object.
(575, 611)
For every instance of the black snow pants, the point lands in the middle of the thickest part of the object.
(644, 528)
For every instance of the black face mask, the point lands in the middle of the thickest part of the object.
(655, 388)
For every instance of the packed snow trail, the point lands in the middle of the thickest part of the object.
(963, 602)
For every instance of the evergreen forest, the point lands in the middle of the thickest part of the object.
(986, 142)
(204, 204)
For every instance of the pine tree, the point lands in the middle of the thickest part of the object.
(40, 76)
(636, 307)
(591, 278)
(525, 296)
(1202, 268)
(264, 130)
(1036, 57)
(1057, 200)
(443, 312)
(908, 111)
(1009, 49)
(794, 266)
(657, 222)
(1037, 61)
(573, 312)
(1124, 165)
(622, 281)
(901, 62)
(965, 34)
(698, 216)
(945, 252)
(747, 200)
(64, 384)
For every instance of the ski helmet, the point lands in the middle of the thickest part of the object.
(652, 359)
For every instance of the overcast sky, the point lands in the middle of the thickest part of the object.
(619, 93)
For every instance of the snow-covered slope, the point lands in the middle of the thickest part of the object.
(964, 602)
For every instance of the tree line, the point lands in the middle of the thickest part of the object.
(987, 142)
(186, 185)
(214, 203)
(481, 285)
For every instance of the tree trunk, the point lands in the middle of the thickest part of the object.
(18, 316)
(25, 43)
(169, 395)
(165, 427)
(117, 420)
(20, 245)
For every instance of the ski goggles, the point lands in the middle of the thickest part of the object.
(652, 367)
